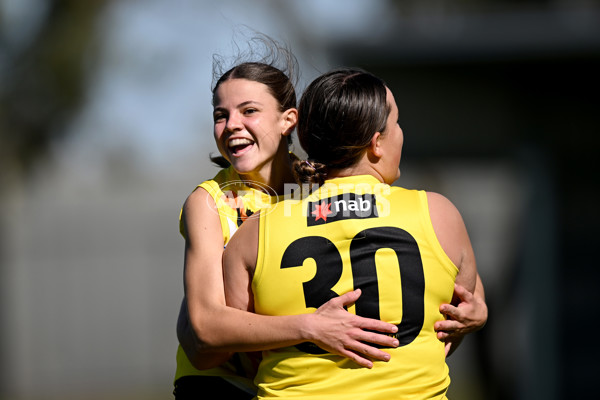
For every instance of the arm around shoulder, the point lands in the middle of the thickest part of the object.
(215, 329)
(331, 327)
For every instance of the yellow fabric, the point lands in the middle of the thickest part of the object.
(235, 202)
(293, 271)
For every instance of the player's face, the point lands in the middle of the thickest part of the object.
(249, 129)
(393, 138)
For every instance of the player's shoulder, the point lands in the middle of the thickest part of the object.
(199, 204)
(441, 205)
(197, 197)
(448, 226)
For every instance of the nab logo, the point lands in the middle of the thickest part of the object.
(347, 206)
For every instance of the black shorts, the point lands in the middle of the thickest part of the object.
(204, 387)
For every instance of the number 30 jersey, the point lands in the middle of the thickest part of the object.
(355, 232)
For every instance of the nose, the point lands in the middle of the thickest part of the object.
(234, 122)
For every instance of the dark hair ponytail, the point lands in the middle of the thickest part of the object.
(309, 172)
(338, 115)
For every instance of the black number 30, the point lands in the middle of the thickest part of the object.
(363, 247)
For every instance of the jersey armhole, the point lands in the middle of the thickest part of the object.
(260, 254)
(430, 232)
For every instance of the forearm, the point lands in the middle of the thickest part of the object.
(479, 290)
(227, 329)
(330, 327)
(190, 345)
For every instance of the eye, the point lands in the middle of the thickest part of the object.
(218, 116)
(250, 111)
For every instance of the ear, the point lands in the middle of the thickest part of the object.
(376, 146)
(289, 119)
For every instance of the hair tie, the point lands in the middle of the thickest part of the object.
(309, 164)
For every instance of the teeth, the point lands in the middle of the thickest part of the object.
(239, 142)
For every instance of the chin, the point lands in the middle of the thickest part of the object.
(242, 167)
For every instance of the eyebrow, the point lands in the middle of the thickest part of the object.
(242, 104)
(245, 103)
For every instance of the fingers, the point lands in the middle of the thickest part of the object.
(349, 298)
(375, 325)
(363, 353)
(355, 335)
(451, 311)
(447, 325)
(363, 362)
(375, 338)
(372, 353)
(366, 323)
(462, 293)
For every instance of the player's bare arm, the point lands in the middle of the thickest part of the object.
(454, 239)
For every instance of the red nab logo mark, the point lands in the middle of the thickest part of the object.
(346, 206)
(321, 211)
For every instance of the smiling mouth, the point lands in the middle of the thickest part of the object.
(237, 146)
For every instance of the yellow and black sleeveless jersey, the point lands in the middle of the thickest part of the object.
(355, 232)
(235, 202)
